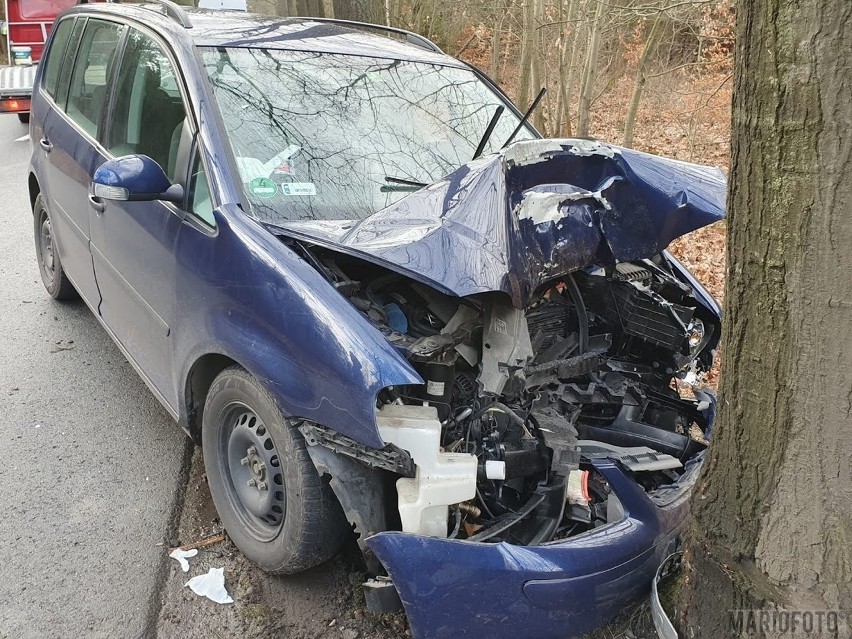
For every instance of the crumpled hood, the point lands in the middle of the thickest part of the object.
(535, 211)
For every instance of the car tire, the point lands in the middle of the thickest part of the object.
(275, 506)
(49, 265)
(24, 118)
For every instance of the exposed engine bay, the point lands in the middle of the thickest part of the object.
(496, 444)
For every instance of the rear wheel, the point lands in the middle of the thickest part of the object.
(270, 497)
(24, 118)
(49, 264)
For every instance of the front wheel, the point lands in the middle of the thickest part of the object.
(270, 497)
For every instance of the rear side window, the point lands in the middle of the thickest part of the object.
(67, 60)
(90, 76)
(61, 35)
(147, 114)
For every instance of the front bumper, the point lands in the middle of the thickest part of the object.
(561, 589)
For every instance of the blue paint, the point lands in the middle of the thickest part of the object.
(561, 589)
(139, 174)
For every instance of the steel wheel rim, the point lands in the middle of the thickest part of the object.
(252, 473)
(46, 251)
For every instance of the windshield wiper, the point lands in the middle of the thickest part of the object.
(400, 184)
(526, 117)
(488, 131)
(404, 182)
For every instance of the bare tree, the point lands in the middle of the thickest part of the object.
(771, 511)
(566, 66)
(496, 30)
(639, 85)
(590, 72)
(527, 52)
(361, 10)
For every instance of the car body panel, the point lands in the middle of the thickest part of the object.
(244, 294)
(529, 214)
(556, 590)
(133, 251)
(67, 171)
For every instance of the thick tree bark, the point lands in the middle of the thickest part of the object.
(772, 523)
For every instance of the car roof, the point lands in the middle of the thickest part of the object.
(215, 28)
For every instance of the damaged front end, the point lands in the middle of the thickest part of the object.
(545, 458)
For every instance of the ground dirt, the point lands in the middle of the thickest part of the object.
(325, 602)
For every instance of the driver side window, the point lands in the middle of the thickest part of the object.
(148, 110)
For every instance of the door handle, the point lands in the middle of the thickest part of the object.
(96, 203)
(45, 144)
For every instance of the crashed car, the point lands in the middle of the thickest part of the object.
(384, 306)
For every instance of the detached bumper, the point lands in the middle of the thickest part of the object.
(451, 588)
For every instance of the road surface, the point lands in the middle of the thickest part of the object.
(90, 463)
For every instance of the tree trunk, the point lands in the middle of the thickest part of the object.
(527, 46)
(494, 67)
(536, 68)
(576, 41)
(563, 104)
(372, 11)
(771, 523)
(590, 74)
(650, 45)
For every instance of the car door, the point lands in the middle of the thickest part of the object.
(133, 243)
(68, 145)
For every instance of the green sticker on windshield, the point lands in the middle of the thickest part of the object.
(263, 187)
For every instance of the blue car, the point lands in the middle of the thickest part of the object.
(384, 306)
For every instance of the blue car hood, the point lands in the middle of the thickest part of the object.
(537, 210)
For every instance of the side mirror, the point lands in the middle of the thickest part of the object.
(134, 178)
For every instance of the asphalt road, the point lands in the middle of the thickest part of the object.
(90, 464)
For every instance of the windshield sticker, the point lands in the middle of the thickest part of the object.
(299, 188)
(263, 187)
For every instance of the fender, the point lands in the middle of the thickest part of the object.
(243, 293)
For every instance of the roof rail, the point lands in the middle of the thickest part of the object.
(175, 12)
(413, 38)
(171, 9)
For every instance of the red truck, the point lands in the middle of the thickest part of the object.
(28, 24)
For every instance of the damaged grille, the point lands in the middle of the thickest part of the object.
(637, 310)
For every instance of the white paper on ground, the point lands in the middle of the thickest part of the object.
(182, 556)
(211, 585)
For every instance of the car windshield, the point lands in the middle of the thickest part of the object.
(321, 136)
